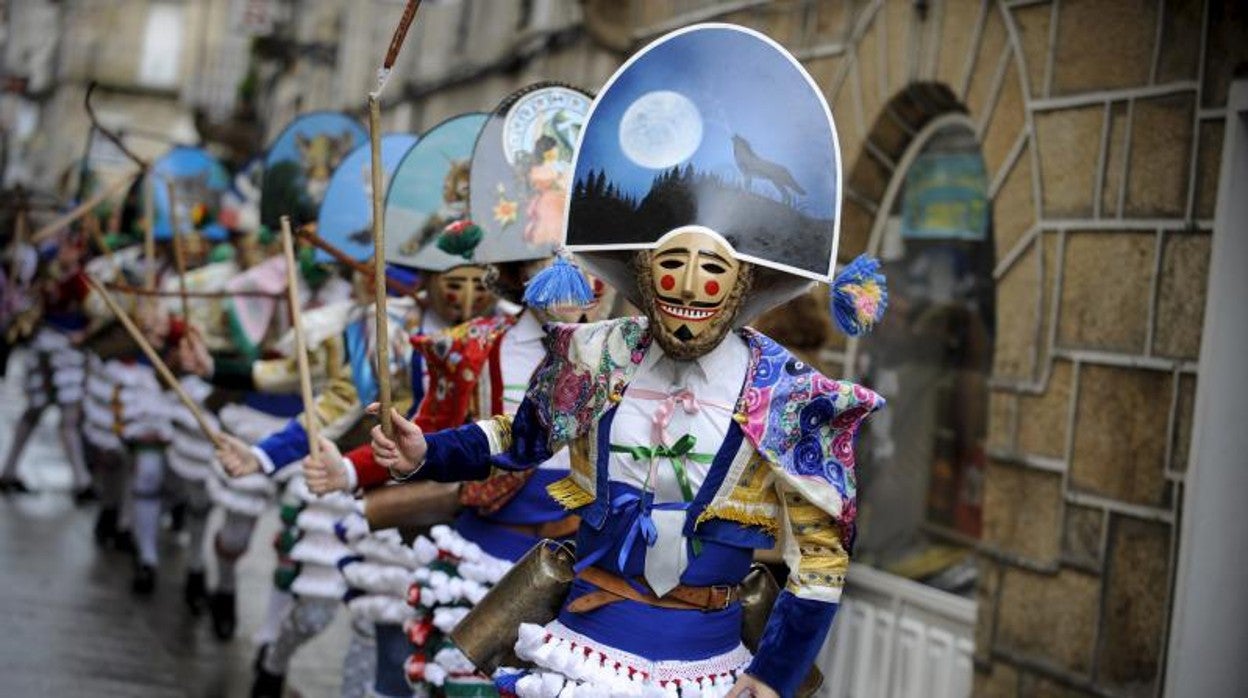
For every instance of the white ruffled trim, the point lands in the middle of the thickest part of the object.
(188, 468)
(103, 439)
(249, 424)
(319, 582)
(570, 664)
(239, 500)
(378, 579)
(386, 548)
(376, 608)
(321, 549)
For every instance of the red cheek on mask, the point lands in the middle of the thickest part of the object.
(667, 282)
(712, 287)
(452, 298)
(599, 287)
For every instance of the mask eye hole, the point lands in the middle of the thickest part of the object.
(713, 268)
(671, 264)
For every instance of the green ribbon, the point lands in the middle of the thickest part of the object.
(676, 454)
(522, 387)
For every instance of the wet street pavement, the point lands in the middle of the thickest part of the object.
(69, 625)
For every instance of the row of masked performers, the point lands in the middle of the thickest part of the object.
(589, 447)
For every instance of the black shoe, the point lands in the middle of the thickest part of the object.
(257, 663)
(144, 580)
(123, 541)
(195, 593)
(225, 618)
(85, 495)
(14, 485)
(177, 518)
(105, 531)
(267, 685)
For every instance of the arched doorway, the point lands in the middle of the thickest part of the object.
(908, 615)
(920, 495)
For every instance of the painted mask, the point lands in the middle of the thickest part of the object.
(460, 294)
(695, 284)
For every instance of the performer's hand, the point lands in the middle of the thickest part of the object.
(193, 355)
(236, 457)
(749, 687)
(328, 473)
(403, 454)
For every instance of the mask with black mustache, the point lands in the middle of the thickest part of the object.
(692, 287)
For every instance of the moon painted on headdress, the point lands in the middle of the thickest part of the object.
(660, 129)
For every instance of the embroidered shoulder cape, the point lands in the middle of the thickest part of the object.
(798, 420)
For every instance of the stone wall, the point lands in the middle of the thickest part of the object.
(1101, 124)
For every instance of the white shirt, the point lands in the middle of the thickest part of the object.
(715, 381)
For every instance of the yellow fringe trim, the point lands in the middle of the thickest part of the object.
(569, 494)
(735, 512)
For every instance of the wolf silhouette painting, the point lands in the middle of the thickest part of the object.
(751, 166)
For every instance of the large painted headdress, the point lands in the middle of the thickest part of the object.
(428, 192)
(522, 172)
(199, 182)
(711, 128)
(299, 163)
(346, 215)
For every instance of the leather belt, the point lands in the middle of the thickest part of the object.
(612, 589)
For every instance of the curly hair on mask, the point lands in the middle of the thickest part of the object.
(505, 281)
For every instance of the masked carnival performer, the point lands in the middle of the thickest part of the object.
(452, 292)
(55, 369)
(309, 549)
(483, 368)
(707, 189)
(193, 184)
(290, 179)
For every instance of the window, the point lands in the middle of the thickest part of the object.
(920, 485)
(161, 58)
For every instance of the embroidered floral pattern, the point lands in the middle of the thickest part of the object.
(799, 420)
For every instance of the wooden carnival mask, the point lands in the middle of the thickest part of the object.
(460, 294)
(695, 286)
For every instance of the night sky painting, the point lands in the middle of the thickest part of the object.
(299, 163)
(714, 127)
(346, 218)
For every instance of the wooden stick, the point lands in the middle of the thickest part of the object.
(301, 347)
(92, 224)
(179, 255)
(79, 211)
(343, 258)
(379, 269)
(400, 33)
(161, 369)
(149, 233)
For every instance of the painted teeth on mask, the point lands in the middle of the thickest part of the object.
(686, 313)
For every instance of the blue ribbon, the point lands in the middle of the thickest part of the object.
(639, 508)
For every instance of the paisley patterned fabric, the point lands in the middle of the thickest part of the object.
(800, 421)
